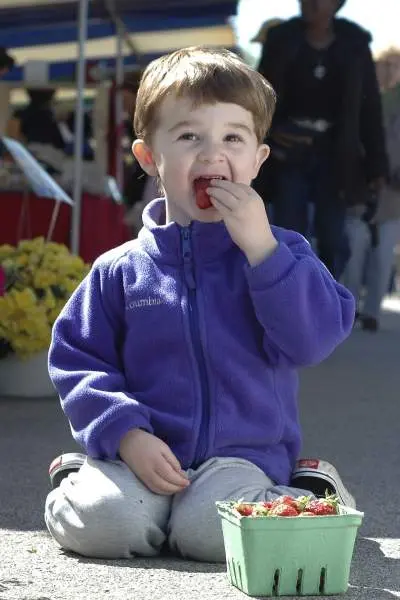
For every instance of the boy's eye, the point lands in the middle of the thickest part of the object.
(233, 137)
(188, 136)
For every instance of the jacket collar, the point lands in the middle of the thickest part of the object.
(164, 242)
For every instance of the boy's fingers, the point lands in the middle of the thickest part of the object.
(172, 460)
(239, 190)
(170, 476)
(224, 198)
(174, 469)
(175, 477)
(158, 485)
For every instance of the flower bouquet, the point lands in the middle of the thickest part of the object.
(36, 280)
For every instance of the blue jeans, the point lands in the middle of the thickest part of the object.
(372, 266)
(295, 190)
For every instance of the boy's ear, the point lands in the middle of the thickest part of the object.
(263, 153)
(144, 156)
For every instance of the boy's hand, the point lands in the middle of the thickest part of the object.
(244, 214)
(153, 462)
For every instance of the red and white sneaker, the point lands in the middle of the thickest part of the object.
(319, 476)
(63, 465)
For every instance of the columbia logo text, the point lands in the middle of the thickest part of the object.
(145, 302)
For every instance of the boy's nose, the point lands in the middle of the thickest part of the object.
(211, 152)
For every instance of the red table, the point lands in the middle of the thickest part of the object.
(25, 216)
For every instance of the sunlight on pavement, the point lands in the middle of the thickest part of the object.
(390, 547)
(391, 304)
(373, 591)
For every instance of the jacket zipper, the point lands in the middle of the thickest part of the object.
(202, 441)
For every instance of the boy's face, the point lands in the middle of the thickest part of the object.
(191, 142)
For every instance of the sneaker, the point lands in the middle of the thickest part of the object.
(63, 465)
(319, 476)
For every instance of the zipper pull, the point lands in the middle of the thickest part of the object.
(188, 259)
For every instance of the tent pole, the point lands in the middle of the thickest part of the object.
(119, 79)
(79, 129)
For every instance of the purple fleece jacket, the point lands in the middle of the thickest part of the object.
(176, 334)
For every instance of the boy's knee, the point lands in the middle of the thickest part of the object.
(196, 534)
(105, 529)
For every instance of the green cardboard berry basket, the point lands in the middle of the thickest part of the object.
(289, 556)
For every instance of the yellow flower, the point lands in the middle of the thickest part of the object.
(70, 285)
(53, 314)
(49, 300)
(41, 276)
(6, 251)
(24, 299)
(24, 322)
(7, 264)
(22, 260)
(35, 259)
(53, 248)
(35, 245)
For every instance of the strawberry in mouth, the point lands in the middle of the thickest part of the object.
(200, 186)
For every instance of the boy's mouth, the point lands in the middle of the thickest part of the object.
(200, 185)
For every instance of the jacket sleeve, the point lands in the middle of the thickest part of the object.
(304, 312)
(371, 123)
(85, 366)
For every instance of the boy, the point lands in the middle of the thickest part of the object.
(176, 358)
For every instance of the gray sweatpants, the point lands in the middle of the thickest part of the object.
(105, 511)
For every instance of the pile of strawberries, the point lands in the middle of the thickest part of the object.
(286, 506)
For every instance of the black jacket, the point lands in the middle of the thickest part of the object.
(359, 147)
(135, 181)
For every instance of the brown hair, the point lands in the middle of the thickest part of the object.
(206, 75)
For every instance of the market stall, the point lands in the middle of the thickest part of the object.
(23, 215)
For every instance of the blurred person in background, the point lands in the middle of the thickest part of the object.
(37, 123)
(139, 188)
(37, 127)
(327, 140)
(262, 183)
(6, 62)
(67, 129)
(369, 269)
(261, 35)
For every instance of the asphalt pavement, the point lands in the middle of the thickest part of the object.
(350, 410)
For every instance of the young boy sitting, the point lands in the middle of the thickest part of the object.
(176, 359)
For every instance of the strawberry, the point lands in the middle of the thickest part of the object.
(286, 499)
(323, 506)
(246, 510)
(297, 503)
(202, 198)
(321, 509)
(283, 510)
(306, 513)
(283, 500)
